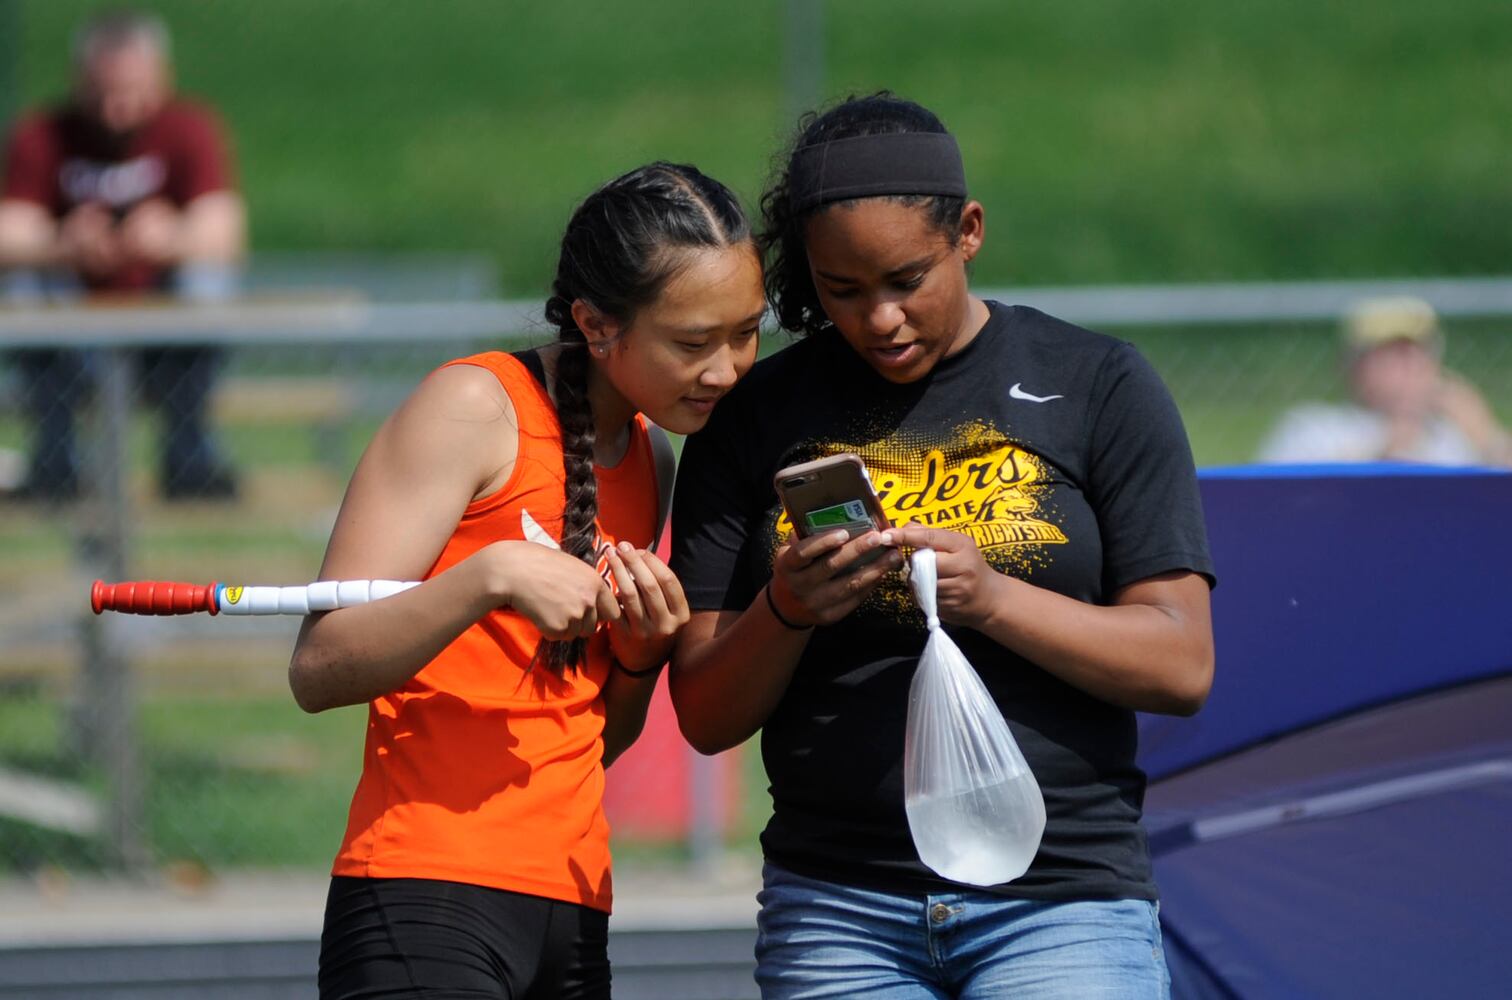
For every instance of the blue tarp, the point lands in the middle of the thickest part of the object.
(1336, 821)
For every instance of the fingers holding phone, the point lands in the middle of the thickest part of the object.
(822, 578)
(836, 557)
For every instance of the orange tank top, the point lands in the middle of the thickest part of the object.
(480, 770)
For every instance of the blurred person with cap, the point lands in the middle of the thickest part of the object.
(1409, 407)
(122, 190)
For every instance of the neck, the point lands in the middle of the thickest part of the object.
(612, 414)
(977, 315)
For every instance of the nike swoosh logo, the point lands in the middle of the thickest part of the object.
(534, 532)
(1018, 393)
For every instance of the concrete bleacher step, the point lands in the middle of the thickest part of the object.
(683, 964)
(266, 970)
(648, 965)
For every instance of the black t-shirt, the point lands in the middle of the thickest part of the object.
(1061, 453)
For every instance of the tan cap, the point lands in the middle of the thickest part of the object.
(1373, 322)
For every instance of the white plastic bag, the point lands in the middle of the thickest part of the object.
(974, 808)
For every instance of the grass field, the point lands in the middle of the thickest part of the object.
(1110, 140)
(246, 781)
(243, 781)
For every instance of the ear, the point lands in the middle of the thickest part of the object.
(599, 330)
(973, 230)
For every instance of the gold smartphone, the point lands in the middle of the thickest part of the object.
(830, 493)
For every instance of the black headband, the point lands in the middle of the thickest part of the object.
(864, 166)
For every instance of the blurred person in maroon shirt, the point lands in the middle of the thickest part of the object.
(122, 190)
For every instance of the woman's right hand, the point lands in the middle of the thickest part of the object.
(810, 583)
(562, 596)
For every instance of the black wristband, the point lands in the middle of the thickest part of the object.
(637, 674)
(772, 605)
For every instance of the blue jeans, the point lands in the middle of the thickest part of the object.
(821, 939)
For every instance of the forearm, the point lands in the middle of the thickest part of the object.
(1496, 448)
(213, 230)
(1140, 656)
(1492, 443)
(726, 681)
(1463, 406)
(29, 237)
(626, 701)
(354, 655)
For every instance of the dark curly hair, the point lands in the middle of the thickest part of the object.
(617, 254)
(789, 286)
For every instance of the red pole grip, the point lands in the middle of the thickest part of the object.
(152, 597)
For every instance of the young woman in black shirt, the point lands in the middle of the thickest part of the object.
(1047, 467)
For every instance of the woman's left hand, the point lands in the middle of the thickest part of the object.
(968, 587)
(654, 605)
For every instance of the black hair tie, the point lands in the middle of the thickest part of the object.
(637, 674)
(772, 604)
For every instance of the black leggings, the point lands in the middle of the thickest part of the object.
(411, 937)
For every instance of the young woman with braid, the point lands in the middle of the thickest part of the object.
(1047, 468)
(476, 858)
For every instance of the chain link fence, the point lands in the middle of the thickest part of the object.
(172, 744)
(407, 174)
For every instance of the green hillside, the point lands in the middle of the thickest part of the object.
(1110, 140)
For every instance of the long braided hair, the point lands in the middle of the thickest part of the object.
(620, 249)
